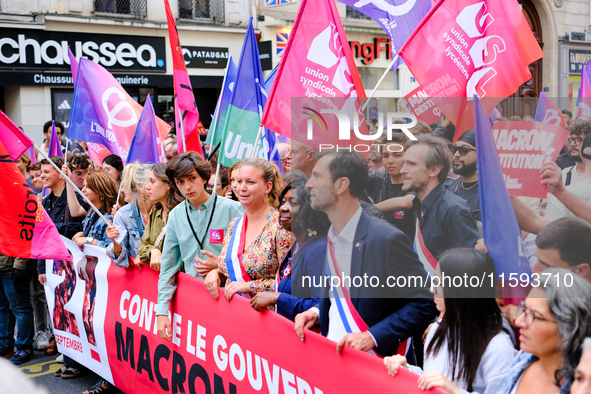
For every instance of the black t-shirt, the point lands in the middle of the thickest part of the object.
(469, 192)
(401, 219)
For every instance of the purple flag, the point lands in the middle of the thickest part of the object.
(55, 148)
(73, 65)
(502, 235)
(398, 18)
(145, 146)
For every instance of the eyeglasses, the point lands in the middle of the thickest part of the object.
(528, 315)
(576, 140)
(464, 150)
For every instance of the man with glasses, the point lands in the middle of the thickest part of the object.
(79, 164)
(464, 164)
(576, 172)
(302, 157)
(578, 129)
(582, 189)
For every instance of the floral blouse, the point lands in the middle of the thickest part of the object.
(262, 257)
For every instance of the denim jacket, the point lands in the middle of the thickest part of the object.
(521, 362)
(131, 242)
(98, 230)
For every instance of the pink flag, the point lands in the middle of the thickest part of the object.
(73, 65)
(184, 99)
(462, 49)
(13, 138)
(28, 231)
(317, 62)
(585, 96)
(548, 112)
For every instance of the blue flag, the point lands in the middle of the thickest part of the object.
(245, 110)
(398, 18)
(501, 232)
(145, 146)
(220, 116)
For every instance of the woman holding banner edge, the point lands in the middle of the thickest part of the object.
(255, 243)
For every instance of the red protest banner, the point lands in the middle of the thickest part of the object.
(106, 320)
(423, 107)
(523, 147)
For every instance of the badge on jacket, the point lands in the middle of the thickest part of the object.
(216, 236)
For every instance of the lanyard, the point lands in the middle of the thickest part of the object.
(215, 199)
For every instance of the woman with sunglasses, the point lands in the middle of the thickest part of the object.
(467, 350)
(553, 323)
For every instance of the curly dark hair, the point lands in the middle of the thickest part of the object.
(579, 127)
(308, 217)
(80, 161)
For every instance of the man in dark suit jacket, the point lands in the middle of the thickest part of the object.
(366, 247)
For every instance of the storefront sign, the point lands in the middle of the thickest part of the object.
(48, 50)
(576, 60)
(141, 80)
(206, 57)
(265, 54)
(370, 51)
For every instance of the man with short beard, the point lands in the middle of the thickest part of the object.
(576, 172)
(444, 219)
(464, 164)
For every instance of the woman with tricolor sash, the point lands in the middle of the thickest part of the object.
(309, 227)
(468, 350)
(255, 242)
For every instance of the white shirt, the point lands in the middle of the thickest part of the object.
(494, 366)
(343, 250)
(576, 176)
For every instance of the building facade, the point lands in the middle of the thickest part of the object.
(128, 37)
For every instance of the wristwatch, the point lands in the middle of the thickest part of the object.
(89, 240)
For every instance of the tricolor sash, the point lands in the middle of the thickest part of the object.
(429, 262)
(349, 316)
(236, 270)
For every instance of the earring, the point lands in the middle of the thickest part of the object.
(311, 233)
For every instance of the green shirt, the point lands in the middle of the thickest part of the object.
(181, 247)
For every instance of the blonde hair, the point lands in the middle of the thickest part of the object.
(270, 174)
(133, 174)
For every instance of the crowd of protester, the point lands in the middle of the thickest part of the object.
(256, 234)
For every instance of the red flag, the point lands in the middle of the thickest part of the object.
(316, 63)
(14, 139)
(184, 99)
(28, 232)
(464, 48)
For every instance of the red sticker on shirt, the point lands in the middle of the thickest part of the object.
(399, 215)
(216, 236)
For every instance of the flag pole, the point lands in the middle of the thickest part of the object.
(182, 131)
(373, 92)
(256, 142)
(215, 183)
(67, 179)
(402, 83)
(67, 143)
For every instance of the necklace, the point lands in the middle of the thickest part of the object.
(462, 183)
(475, 184)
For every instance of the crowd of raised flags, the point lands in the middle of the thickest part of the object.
(466, 56)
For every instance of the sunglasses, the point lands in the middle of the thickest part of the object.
(464, 150)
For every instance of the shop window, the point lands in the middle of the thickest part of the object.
(354, 14)
(371, 75)
(202, 10)
(61, 105)
(133, 8)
